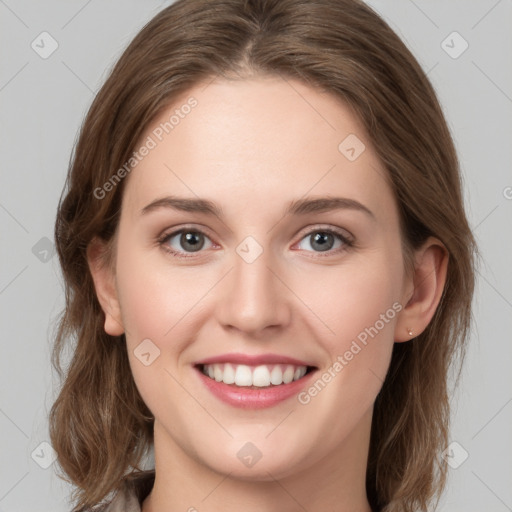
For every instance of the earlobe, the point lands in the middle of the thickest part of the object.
(428, 281)
(104, 284)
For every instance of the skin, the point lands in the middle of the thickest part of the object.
(252, 146)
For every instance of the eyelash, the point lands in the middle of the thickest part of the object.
(346, 241)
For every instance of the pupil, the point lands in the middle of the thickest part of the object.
(190, 241)
(322, 239)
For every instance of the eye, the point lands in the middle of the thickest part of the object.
(325, 240)
(185, 241)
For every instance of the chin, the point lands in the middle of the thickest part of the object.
(256, 460)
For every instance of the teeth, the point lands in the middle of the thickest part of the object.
(289, 374)
(243, 375)
(276, 376)
(217, 373)
(229, 374)
(259, 376)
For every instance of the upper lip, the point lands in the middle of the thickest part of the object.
(253, 360)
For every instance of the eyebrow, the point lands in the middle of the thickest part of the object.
(297, 207)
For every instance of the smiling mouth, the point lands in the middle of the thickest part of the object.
(255, 377)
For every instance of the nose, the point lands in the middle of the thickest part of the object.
(254, 297)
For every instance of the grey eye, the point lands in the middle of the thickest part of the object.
(321, 241)
(187, 241)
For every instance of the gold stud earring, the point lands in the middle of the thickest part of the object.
(409, 332)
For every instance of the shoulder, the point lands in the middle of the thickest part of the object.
(130, 495)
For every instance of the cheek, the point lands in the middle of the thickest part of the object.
(164, 303)
(348, 300)
(355, 310)
(155, 298)
(155, 306)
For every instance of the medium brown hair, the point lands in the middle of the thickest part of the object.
(99, 425)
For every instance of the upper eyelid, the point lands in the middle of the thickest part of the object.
(335, 229)
(166, 233)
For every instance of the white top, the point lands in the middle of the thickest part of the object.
(131, 494)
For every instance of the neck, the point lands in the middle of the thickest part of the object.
(336, 482)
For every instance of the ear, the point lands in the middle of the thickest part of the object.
(423, 290)
(104, 283)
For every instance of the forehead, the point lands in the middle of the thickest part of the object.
(261, 138)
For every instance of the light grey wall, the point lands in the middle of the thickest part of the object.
(43, 101)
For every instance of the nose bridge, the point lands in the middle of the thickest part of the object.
(254, 298)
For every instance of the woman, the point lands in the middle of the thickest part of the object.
(268, 266)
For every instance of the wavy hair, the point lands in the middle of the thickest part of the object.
(99, 425)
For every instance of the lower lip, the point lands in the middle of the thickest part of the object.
(251, 398)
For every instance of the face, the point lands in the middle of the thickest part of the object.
(292, 265)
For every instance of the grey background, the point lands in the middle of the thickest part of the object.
(43, 102)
